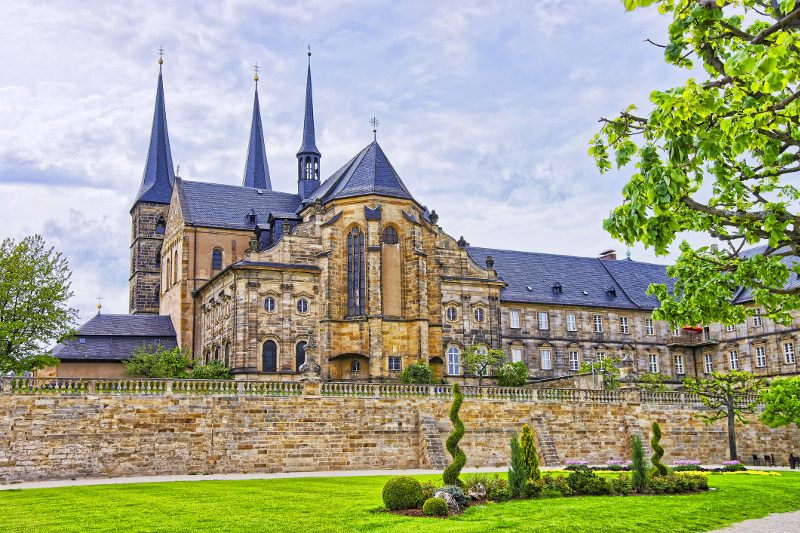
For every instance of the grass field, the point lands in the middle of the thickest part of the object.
(305, 505)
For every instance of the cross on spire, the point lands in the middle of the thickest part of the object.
(374, 122)
(98, 304)
(160, 56)
(255, 71)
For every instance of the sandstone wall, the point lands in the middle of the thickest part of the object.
(62, 435)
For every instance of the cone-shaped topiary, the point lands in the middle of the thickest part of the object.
(658, 451)
(639, 466)
(529, 453)
(450, 475)
(518, 473)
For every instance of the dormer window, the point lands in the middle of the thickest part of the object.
(611, 292)
(556, 288)
(251, 216)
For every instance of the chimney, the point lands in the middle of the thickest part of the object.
(608, 254)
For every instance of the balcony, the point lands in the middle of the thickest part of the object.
(691, 337)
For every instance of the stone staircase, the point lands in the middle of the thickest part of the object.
(635, 428)
(544, 442)
(431, 443)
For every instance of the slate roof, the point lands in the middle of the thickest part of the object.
(226, 206)
(115, 337)
(369, 172)
(256, 170)
(159, 175)
(309, 140)
(745, 295)
(540, 272)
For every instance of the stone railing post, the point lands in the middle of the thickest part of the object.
(6, 386)
(168, 388)
(240, 388)
(312, 389)
(91, 386)
(376, 390)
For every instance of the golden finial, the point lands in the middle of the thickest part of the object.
(309, 50)
(160, 55)
(255, 70)
(98, 304)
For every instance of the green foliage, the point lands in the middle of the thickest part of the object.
(518, 473)
(473, 479)
(526, 442)
(557, 483)
(534, 488)
(428, 489)
(639, 467)
(434, 507)
(717, 155)
(782, 403)
(497, 490)
(402, 492)
(729, 396)
(621, 484)
(450, 475)
(34, 290)
(588, 482)
(652, 381)
(607, 367)
(478, 360)
(512, 374)
(457, 494)
(674, 483)
(213, 370)
(157, 362)
(418, 373)
(658, 451)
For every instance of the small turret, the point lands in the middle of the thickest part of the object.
(308, 156)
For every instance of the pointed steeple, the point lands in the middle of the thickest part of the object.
(308, 156)
(256, 171)
(159, 174)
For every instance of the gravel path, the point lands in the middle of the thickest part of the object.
(774, 523)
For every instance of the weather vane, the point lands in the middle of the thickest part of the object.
(255, 71)
(374, 122)
(160, 55)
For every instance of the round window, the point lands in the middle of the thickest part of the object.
(479, 315)
(451, 313)
(269, 304)
(302, 305)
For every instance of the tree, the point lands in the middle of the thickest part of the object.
(716, 156)
(658, 451)
(157, 362)
(213, 370)
(730, 396)
(450, 474)
(417, 372)
(639, 479)
(652, 381)
(34, 290)
(782, 403)
(607, 367)
(526, 442)
(512, 374)
(478, 359)
(517, 473)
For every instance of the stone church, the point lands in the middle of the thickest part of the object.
(246, 273)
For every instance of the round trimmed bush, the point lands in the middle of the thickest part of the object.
(434, 507)
(402, 492)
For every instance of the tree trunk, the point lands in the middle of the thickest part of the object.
(731, 427)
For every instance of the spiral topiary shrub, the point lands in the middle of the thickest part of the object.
(434, 507)
(402, 492)
(658, 451)
(450, 475)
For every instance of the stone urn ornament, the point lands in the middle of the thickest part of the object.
(310, 370)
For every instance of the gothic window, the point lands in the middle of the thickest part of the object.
(216, 260)
(300, 354)
(390, 235)
(167, 274)
(158, 257)
(161, 226)
(355, 272)
(175, 268)
(269, 357)
(309, 168)
(216, 353)
(227, 354)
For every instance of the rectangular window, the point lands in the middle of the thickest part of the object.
(730, 327)
(679, 364)
(623, 324)
(544, 321)
(573, 361)
(653, 363)
(513, 319)
(788, 352)
(734, 356)
(757, 318)
(761, 357)
(709, 364)
(516, 355)
(395, 363)
(571, 323)
(546, 362)
(649, 328)
(601, 356)
(598, 323)
(676, 332)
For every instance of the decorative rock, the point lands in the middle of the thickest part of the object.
(477, 492)
(452, 504)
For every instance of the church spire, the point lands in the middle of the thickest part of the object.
(308, 156)
(158, 174)
(256, 171)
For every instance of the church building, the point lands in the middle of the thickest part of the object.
(247, 273)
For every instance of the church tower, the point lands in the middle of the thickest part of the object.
(256, 171)
(149, 213)
(308, 156)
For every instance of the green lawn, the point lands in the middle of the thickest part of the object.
(308, 505)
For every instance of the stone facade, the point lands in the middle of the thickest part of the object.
(91, 434)
(148, 221)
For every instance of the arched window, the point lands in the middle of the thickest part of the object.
(158, 257)
(390, 235)
(302, 305)
(355, 366)
(216, 353)
(479, 315)
(452, 314)
(216, 259)
(300, 354)
(355, 272)
(269, 304)
(269, 357)
(175, 268)
(161, 226)
(309, 168)
(227, 354)
(453, 363)
(168, 274)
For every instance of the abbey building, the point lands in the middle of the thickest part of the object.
(245, 273)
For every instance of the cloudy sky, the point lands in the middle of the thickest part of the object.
(486, 111)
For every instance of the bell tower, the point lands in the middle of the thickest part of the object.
(308, 156)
